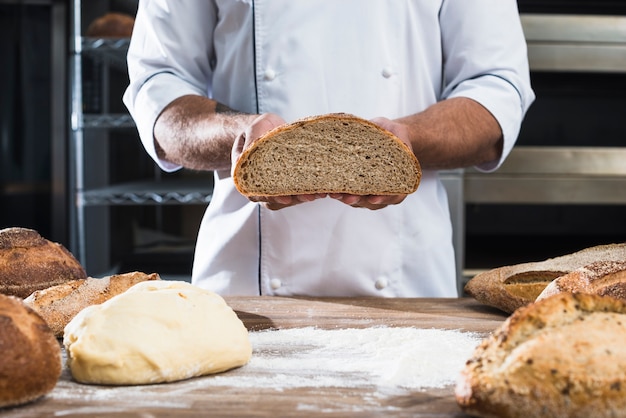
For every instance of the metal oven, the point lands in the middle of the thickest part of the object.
(563, 187)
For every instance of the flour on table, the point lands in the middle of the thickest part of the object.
(372, 364)
(382, 357)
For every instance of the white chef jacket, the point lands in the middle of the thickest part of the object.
(299, 58)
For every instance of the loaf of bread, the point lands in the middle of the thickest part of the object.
(510, 287)
(334, 153)
(29, 262)
(563, 356)
(111, 25)
(57, 305)
(31, 356)
(604, 278)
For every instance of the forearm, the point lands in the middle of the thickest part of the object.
(198, 133)
(454, 133)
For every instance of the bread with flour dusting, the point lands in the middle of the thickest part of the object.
(563, 356)
(510, 287)
(58, 305)
(333, 153)
(604, 278)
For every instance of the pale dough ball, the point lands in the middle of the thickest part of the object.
(157, 331)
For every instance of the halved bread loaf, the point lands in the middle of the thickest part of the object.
(563, 356)
(604, 278)
(57, 305)
(510, 287)
(334, 153)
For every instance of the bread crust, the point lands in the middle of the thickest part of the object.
(563, 356)
(31, 355)
(511, 287)
(604, 278)
(111, 25)
(279, 131)
(29, 262)
(57, 305)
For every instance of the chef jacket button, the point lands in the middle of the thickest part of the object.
(269, 74)
(387, 72)
(381, 283)
(275, 283)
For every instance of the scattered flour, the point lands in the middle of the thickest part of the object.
(381, 357)
(372, 364)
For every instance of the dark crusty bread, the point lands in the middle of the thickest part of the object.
(111, 25)
(29, 262)
(604, 278)
(334, 153)
(563, 356)
(510, 287)
(31, 356)
(57, 305)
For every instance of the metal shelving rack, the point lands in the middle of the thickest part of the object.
(84, 191)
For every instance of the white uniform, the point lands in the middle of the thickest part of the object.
(300, 58)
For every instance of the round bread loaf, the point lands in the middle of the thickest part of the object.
(31, 355)
(29, 262)
(563, 356)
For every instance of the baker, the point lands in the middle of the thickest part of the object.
(450, 78)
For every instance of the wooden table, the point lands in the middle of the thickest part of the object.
(195, 397)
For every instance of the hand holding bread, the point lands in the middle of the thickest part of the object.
(338, 155)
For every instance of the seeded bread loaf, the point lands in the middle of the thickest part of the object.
(563, 356)
(29, 262)
(57, 305)
(604, 278)
(334, 153)
(31, 356)
(510, 287)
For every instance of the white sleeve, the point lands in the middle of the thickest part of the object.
(485, 59)
(169, 56)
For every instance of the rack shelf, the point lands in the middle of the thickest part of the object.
(183, 192)
(111, 177)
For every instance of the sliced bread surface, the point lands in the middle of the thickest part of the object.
(334, 153)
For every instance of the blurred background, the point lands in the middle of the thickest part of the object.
(73, 168)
